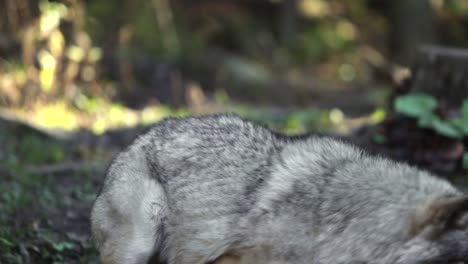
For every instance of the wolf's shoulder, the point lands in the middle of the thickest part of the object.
(210, 126)
(208, 120)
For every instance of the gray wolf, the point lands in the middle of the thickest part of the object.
(220, 189)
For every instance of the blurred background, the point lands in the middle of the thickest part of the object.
(80, 79)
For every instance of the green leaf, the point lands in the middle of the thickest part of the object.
(6, 242)
(415, 105)
(461, 124)
(61, 246)
(426, 120)
(446, 128)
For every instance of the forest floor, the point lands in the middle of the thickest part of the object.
(49, 183)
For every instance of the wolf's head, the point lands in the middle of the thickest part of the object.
(438, 232)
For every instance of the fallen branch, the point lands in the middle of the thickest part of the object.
(93, 166)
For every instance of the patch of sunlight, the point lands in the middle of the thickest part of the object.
(56, 115)
(338, 121)
(99, 125)
(377, 116)
(314, 8)
(120, 116)
(94, 54)
(56, 43)
(75, 53)
(153, 114)
(346, 30)
(90, 105)
(48, 66)
(108, 115)
(51, 13)
(336, 116)
(95, 114)
(116, 113)
(371, 119)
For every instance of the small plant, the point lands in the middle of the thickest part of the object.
(423, 108)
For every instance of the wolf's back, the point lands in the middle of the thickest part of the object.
(183, 178)
(193, 189)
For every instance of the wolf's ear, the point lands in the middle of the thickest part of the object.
(439, 216)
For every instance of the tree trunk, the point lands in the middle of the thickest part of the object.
(413, 23)
(287, 22)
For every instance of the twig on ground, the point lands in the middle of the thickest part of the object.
(66, 167)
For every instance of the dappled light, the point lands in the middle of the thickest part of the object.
(80, 80)
(315, 8)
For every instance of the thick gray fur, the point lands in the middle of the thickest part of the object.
(195, 189)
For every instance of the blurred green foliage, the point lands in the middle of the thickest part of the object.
(326, 39)
(113, 49)
(72, 65)
(423, 107)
